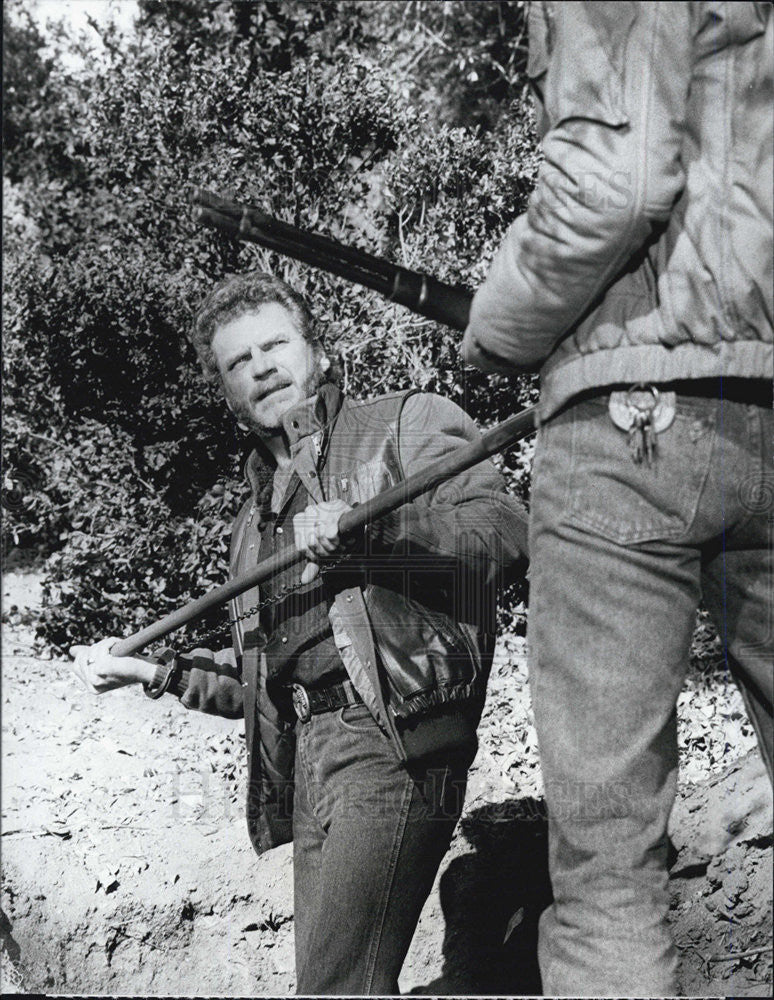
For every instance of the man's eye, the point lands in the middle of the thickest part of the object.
(238, 361)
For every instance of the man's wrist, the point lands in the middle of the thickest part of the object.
(147, 671)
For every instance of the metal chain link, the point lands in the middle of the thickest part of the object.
(283, 592)
(272, 599)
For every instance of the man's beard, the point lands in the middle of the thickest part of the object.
(245, 416)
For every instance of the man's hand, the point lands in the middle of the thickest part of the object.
(98, 671)
(316, 534)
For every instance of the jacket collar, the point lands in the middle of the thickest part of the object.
(312, 417)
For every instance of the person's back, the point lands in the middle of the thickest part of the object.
(639, 279)
(646, 249)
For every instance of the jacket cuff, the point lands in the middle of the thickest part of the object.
(478, 354)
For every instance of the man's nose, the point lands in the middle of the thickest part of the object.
(261, 364)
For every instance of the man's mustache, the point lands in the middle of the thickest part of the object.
(258, 394)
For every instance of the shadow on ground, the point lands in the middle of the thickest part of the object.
(491, 901)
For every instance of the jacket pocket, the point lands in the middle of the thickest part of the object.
(631, 503)
(420, 650)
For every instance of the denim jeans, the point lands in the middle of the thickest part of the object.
(368, 838)
(621, 555)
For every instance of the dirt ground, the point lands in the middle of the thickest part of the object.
(127, 868)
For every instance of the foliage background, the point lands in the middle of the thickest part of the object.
(402, 128)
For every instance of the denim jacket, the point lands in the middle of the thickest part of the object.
(408, 659)
(645, 252)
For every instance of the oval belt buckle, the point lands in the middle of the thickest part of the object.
(301, 703)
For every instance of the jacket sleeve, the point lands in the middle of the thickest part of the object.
(470, 518)
(205, 681)
(614, 88)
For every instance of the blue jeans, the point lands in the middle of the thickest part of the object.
(368, 838)
(621, 554)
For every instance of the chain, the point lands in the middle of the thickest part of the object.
(283, 592)
(273, 599)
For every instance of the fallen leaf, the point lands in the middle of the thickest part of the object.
(513, 923)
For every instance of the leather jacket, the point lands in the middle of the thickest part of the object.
(421, 670)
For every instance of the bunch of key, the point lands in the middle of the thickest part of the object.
(642, 412)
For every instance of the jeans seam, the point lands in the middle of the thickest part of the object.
(701, 489)
(376, 938)
(756, 462)
(308, 774)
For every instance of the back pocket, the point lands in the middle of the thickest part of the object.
(627, 502)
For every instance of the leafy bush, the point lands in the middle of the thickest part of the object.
(116, 453)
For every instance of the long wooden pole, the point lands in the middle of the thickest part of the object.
(492, 441)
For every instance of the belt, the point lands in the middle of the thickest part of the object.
(312, 701)
(751, 391)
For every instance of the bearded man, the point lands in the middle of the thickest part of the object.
(361, 684)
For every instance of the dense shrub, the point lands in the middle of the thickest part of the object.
(116, 453)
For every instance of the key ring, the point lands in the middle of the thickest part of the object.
(643, 387)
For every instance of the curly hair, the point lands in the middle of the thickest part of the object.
(239, 294)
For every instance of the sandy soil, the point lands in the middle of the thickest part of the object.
(127, 868)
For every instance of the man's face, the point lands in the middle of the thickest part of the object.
(266, 367)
